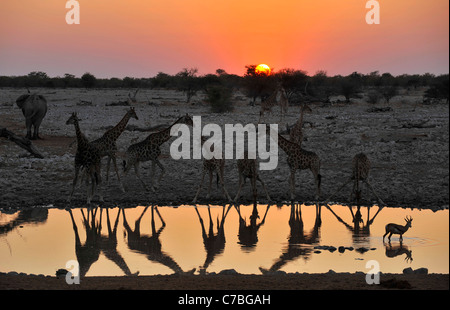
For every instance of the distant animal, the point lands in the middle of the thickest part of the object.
(87, 157)
(392, 228)
(149, 149)
(279, 98)
(34, 108)
(296, 132)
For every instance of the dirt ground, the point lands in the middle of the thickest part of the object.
(337, 281)
(408, 147)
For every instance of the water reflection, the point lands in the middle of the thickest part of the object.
(298, 238)
(214, 243)
(231, 237)
(150, 245)
(397, 250)
(358, 227)
(34, 216)
(248, 233)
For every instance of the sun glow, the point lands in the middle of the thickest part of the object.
(263, 69)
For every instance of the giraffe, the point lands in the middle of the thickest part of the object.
(212, 165)
(149, 149)
(296, 131)
(107, 143)
(300, 159)
(278, 97)
(360, 172)
(247, 169)
(87, 157)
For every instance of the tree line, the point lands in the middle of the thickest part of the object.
(219, 86)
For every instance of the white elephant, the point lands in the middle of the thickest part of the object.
(34, 108)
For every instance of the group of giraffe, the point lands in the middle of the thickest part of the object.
(89, 155)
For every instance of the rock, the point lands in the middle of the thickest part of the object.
(228, 272)
(408, 270)
(331, 271)
(362, 250)
(421, 271)
(317, 251)
(341, 249)
(331, 249)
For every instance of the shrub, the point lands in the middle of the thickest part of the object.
(219, 97)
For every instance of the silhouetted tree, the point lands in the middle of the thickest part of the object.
(257, 84)
(88, 80)
(187, 82)
(293, 81)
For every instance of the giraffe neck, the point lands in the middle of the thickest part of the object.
(115, 132)
(82, 141)
(162, 136)
(286, 145)
(300, 120)
(272, 100)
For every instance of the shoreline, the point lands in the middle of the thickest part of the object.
(277, 282)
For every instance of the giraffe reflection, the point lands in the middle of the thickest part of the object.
(95, 243)
(248, 234)
(214, 243)
(358, 227)
(150, 245)
(297, 238)
(89, 252)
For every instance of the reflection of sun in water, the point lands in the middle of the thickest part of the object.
(263, 69)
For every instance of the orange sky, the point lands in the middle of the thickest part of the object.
(143, 37)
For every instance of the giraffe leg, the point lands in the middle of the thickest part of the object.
(163, 171)
(117, 173)
(210, 184)
(317, 178)
(136, 170)
(373, 191)
(199, 186)
(74, 183)
(265, 188)
(220, 174)
(99, 182)
(338, 190)
(241, 183)
(108, 165)
(292, 184)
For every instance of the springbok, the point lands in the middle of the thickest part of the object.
(397, 229)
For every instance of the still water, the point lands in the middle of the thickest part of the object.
(249, 239)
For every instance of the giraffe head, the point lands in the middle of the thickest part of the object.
(306, 108)
(186, 119)
(72, 119)
(132, 113)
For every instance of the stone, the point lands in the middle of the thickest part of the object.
(421, 271)
(408, 270)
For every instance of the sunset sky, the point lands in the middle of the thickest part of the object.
(140, 38)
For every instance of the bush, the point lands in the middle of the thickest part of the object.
(220, 99)
(88, 80)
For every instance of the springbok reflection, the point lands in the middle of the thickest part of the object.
(397, 250)
(297, 238)
(150, 245)
(214, 243)
(248, 234)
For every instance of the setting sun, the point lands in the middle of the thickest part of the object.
(263, 69)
